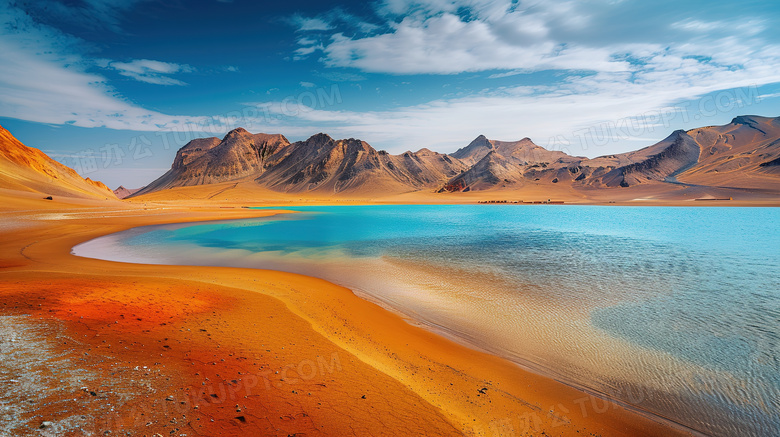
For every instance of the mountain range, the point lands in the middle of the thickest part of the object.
(741, 156)
(320, 163)
(740, 159)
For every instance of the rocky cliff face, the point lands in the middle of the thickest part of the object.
(193, 150)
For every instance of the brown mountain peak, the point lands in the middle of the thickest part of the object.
(476, 149)
(319, 138)
(236, 132)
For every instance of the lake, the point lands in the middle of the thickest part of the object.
(673, 310)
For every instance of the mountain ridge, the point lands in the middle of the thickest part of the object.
(327, 165)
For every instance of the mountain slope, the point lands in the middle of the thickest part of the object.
(320, 164)
(25, 168)
(742, 153)
(659, 162)
(474, 151)
(487, 173)
(736, 155)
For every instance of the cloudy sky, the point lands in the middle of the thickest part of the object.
(114, 87)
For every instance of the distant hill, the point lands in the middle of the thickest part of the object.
(121, 192)
(25, 168)
(717, 160)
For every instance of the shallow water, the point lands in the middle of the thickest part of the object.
(673, 310)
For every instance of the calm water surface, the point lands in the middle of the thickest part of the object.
(673, 310)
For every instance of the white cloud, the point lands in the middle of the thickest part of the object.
(44, 76)
(303, 52)
(601, 78)
(445, 37)
(306, 24)
(45, 89)
(155, 72)
(341, 76)
(329, 20)
(445, 44)
(518, 37)
(306, 41)
(308, 85)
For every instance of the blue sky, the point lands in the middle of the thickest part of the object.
(114, 87)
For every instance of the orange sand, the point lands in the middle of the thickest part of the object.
(252, 352)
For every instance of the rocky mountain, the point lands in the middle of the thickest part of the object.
(743, 154)
(523, 152)
(505, 164)
(320, 163)
(737, 155)
(28, 169)
(238, 155)
(658, 162)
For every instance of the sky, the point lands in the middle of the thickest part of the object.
(113, 88)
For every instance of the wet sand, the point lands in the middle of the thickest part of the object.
(177, 350)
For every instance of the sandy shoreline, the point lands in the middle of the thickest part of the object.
(387, 376)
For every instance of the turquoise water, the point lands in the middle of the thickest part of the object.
(673, 310)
